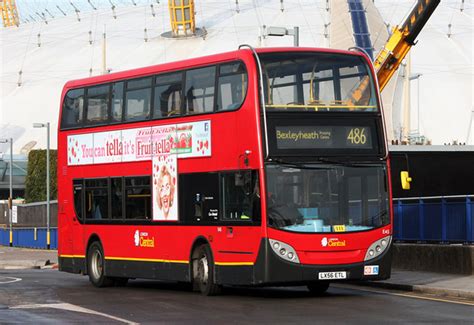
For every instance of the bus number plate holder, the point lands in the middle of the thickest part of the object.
(332, 275)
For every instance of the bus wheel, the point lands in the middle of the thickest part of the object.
(203, 271)
(95, 266)
(318, 288)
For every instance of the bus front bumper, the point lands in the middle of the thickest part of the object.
(270, 269)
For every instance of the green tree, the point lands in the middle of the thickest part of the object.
(36, 176)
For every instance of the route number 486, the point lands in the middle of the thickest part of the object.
(357, 136)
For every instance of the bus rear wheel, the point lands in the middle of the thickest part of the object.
(96, 266)
(318, 288)
(203, 271)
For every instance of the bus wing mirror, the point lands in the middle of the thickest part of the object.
(405, 180)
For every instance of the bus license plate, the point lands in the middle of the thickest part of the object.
(331, 275)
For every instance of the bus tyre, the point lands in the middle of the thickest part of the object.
(318, 288)
(203, 271)
(96, 266)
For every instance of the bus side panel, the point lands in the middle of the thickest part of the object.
(235, 250)
(148, 270)
(140, 251)
(159, 253)
(65, 228)
(64, 231)
(235, 274)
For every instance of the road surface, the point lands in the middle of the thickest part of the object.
(48, 296)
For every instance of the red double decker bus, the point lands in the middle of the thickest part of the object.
(253, 167)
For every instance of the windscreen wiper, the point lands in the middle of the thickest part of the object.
(312, 165)
(300, 165)
(340, 163)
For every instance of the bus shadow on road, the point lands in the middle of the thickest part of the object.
(257, 292)
(281, 292)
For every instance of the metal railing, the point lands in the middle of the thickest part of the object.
(434, 219)
(30, 237)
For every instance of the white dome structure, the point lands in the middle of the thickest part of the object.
(37, 58)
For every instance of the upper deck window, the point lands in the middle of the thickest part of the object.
(168, 93)
(73, 107)
(97, 104)
(138, 99)
(117, 101)
(200, 90)
(318, 82)
(232, 86)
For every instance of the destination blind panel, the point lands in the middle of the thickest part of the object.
(323, 137)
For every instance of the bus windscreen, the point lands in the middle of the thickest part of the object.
(318, 82)
(327, 198)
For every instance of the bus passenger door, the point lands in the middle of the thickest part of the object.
(239, 236)
(76, 215)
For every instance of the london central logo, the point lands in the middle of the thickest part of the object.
(333, 242)
(136, 238)
(324, 242)
(143, 239)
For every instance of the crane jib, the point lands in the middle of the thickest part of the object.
(418, 18)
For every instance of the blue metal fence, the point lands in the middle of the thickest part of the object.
(4, 237)
(434, 219)
(29, 237)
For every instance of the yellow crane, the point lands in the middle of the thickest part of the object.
(397, 47)
(402, 39)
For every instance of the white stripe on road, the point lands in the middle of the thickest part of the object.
(70, 307)
(8, 279)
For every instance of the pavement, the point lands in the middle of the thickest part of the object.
(440, 284)
(14, 258)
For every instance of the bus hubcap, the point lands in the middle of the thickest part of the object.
(203, 269)
(97, 264)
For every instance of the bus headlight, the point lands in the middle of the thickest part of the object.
(284, 250)
(378, 248)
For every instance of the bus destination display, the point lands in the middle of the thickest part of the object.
(320, 137)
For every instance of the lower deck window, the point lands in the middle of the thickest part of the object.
(138, 198)
(203, 198)
(116, 198)
(78, 197)
(219, 197)
(97, 206)
(240, 196)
